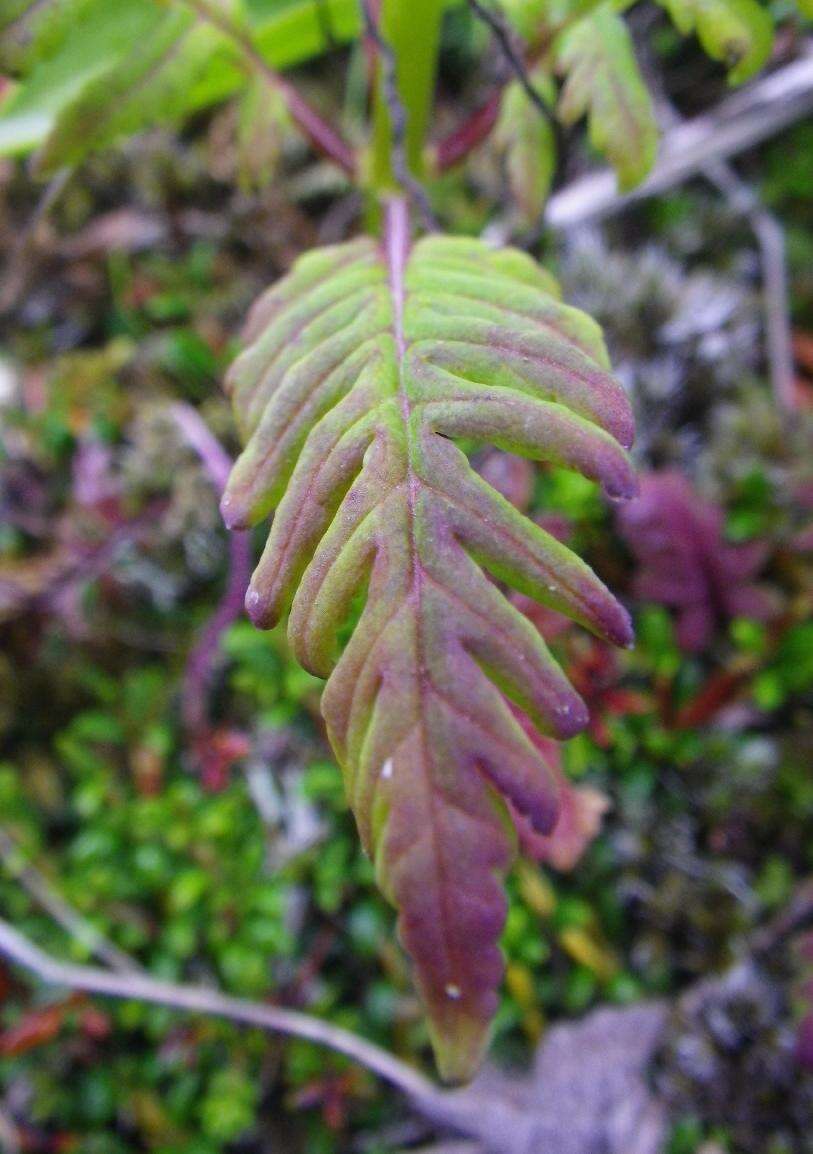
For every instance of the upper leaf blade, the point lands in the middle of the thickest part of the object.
(362, 367)
(739, 33)
(116, 66)
(604, 82)
(149, 84)
(60, 47)
(33, 29)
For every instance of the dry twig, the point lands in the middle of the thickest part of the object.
(493, 1122)
(43, 893)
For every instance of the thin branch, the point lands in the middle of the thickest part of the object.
(776, 302)
(398, 117)
(512, 55)
(40, 889)
(20, 266)
(327, 139)
(749, 116)
(496, 1124)
(199, 999)
(778, 331)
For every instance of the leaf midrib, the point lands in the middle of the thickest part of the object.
(397, 247)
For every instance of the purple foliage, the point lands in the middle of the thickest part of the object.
(678, 540)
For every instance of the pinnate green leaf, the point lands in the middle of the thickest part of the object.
(148, 84)
(31, 29)
(365, 369)
(95, 70)
(603, 81)
(739, 33)
(58, 48)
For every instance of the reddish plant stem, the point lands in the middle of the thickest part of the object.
(467, 136)
(371, 48)
(720, 690)
(323, 136)
(199, 437)
(200, 666)
(723, 687)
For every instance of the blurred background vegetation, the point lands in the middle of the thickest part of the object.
(199, 826)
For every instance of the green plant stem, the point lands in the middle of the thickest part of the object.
(411, 30)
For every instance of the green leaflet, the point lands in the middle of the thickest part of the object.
(148, 85)
(291, 32)
(96, 69)
(362, 368)
(603, 81)
(739, 33)
(530, 145)
(60, 47)
(415, 78)
(533, 17)
(30, 30)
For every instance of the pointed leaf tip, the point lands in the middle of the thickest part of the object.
(459, 1042)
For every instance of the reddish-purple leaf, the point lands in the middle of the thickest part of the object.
(365, 370)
